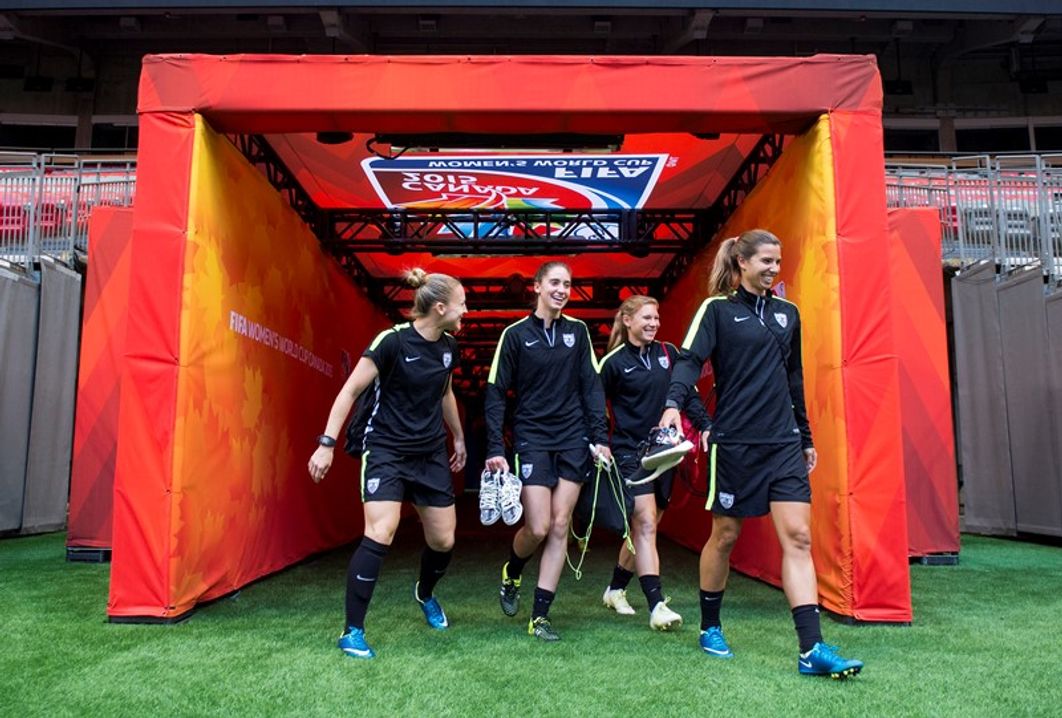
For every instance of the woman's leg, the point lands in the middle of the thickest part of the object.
(381, 522)
(537, 512)
(792, 522)
(439, 524)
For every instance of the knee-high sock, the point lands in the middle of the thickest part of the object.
(362, 573)
(432, 567)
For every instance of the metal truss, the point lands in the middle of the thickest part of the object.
(494, 293)
(512, 232)
(752, 170)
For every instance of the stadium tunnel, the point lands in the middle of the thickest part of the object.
(280, 198)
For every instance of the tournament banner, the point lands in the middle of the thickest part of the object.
(533, 182)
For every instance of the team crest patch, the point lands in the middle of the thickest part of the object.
(569, 340)
(726, 500)
(664, 361)
(526, 470)
(371, 485)
(448, 357)
(781, 318)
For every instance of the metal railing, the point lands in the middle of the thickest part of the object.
(1005, 208)
(46, 199)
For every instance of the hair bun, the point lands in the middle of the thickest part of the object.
(416, 278)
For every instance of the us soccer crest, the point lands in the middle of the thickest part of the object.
(448, 357)
(726, 500)
(569, 339)
(782, 319)
(526, 470)
(371, 485)
(664, 361)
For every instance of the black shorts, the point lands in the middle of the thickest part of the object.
(423, 479)
(660, 486)
(746, 478)
(544, 468)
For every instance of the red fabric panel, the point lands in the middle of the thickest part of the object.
(103, 324)
(925, 390)
(144, 470)
(881, 588)
(273, 93)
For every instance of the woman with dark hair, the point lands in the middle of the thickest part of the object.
(635, 374)
(409, 368)
(547, 360)
(761, 447)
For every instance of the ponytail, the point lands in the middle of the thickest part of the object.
(726, 272)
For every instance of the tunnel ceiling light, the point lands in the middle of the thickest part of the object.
(438, 141)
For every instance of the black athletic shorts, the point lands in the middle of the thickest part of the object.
(544, 468)
(629, 464)
(746, 478)
(423, 479)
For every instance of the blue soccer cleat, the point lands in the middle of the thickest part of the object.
(353, 644)
(822, 660)
(713, 643)
(433, 612)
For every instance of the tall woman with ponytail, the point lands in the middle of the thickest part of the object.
(408, 369)
(635, 374)
(761, 447)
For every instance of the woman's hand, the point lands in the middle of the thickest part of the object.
(672, 418)
(602, 453)
(498, 463)
(460, 455)
(320, 462)
(704, 439)
(811, 458)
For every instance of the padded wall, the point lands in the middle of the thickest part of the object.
(265, 327)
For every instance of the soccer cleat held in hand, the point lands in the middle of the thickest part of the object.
(489, 498)
(665, 449)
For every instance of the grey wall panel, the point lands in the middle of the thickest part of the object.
(988, 490)
(1029, 419)
(1053, 306)
(18, 346)
(55, 389)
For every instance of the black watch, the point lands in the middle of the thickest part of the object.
(326, 440)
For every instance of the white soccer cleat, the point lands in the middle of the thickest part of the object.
(663, 618)
(616, 599)
(489, 498)
(665, 449)
(509, 498)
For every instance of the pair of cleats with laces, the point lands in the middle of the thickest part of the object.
(353, 642)
(661, 618)
(821, 660)
(664, 450)
(499, 497)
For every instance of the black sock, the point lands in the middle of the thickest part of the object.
(620, 578)
(362, 573)
(543, 599)
(806, 620)
(654, 594)
(711, 602)
(516, 564)
(432, 567)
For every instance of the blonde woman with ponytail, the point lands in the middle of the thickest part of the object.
(409, 368)
(761, 447)
(635, 374)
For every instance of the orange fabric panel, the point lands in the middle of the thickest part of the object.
(925, 389)
(103, 323)
(143, 477)
(366, 93)
(881, 589)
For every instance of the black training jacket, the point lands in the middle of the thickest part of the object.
(636, 381)
(753, 343)
(559, 402)
(413, 375)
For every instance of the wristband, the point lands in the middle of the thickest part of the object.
(671, 404)
(326, 440)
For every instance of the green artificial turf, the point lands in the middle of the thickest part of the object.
(986, 641)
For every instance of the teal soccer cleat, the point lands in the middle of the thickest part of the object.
(822, 660)
(713, 643)
(353, 644)
(433, 612)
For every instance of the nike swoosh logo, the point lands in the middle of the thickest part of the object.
(409, 359)
(740, 319)
(531, 344)
(806, 664)
(362, 578)
(712, 650)
(629, 369)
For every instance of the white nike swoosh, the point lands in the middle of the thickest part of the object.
(806, 664)
(740, 319)
(362, 578)
(408, 359)
(711, 650)
(629, 369)
(531, 344)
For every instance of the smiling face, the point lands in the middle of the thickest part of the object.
(643, 324)
(451, 312)
(553, 291)
(759, 272)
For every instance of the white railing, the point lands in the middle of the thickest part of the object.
(45, 202)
